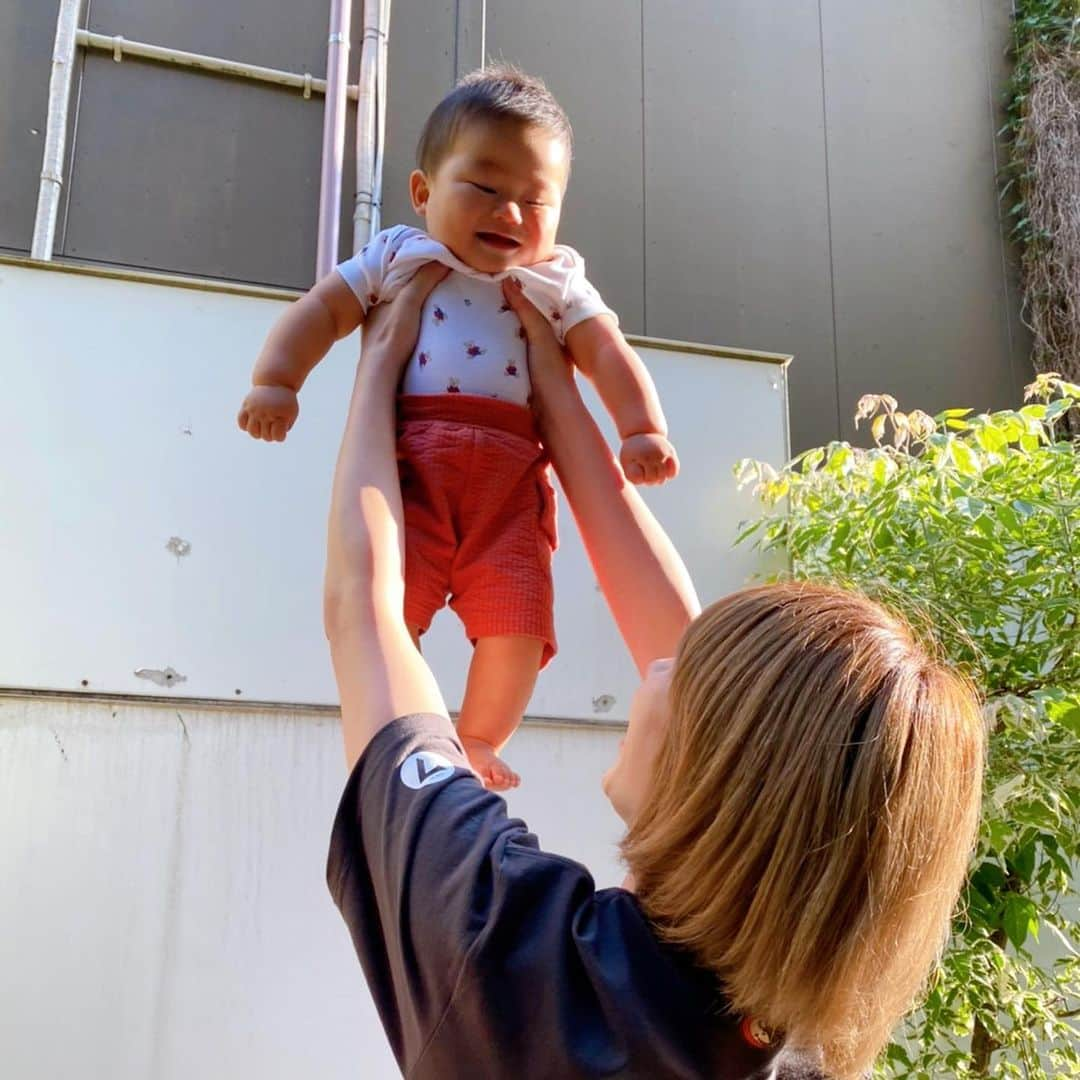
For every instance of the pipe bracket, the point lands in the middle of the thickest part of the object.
(307, 84)
(118, 48)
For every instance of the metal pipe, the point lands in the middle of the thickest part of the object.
(120, 47)
(367, 125)
(52, 161)
(333, 144)
(380, 114)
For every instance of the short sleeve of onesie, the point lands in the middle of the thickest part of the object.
(487, 956)
(371, 273)
(560, 289)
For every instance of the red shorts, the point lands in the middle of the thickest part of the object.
(479, 516)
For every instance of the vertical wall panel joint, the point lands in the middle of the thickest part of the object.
(470, 43)
(828, 217)
(644, 190)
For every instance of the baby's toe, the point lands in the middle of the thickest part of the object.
(501, 777)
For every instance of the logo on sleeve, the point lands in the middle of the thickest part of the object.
(425, 768)
(757, 1034)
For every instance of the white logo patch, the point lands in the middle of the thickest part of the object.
(425, 768)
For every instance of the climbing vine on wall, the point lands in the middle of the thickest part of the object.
(1042, 181)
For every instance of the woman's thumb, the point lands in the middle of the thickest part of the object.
(423, 281)
(523, 307)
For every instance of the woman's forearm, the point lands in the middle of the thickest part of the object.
(643, 578)
(379, 672)
(364, 535)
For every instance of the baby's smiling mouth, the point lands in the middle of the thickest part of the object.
(504, 243)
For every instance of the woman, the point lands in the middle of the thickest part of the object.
(800, 787)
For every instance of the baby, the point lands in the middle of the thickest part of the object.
(494, 160)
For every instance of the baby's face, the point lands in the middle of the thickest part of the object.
(495, 198)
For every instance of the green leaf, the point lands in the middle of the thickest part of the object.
(811, 460)
(1000, 833)
(839, 461)
(1022, 861)
(1025, 581)
(1056, 408)
(963, 457)
(1066, 713)
(748, 530)
(988, 879)
(991, 439)
(840, 534)
(1007, 517)
(1020, 918)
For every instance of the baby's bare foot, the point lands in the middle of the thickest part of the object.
(494, 773)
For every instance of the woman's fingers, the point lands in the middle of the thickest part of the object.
(546, 356)
(408, 303)
(391, 329)
(423, 281)
(535, 324)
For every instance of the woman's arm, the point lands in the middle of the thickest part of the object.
(380, 674)
(643, 579)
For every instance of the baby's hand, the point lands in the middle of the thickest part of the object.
(648, 458)
(269, 412)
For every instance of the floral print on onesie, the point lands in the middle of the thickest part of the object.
(471, 342)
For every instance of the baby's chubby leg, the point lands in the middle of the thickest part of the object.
(501, 679)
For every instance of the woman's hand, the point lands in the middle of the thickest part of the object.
(551, 371)
(391, 330)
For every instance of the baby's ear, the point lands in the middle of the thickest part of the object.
(419, 191)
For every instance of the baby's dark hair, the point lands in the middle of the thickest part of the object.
(498, 92)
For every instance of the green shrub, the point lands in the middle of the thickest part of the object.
(970, 525)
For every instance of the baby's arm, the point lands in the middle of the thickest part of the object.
(627, 391)
(299, 339)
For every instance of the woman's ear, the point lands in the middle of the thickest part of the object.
(419, 191)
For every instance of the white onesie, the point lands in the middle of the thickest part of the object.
(470, 339)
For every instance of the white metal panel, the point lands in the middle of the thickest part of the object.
(164, 912)
(120, 436)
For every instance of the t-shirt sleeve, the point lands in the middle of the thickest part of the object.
(560, 289)
(415, 866)
(371, 273)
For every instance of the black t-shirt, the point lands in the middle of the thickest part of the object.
(488, 957)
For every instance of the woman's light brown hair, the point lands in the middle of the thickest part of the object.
(811, 813)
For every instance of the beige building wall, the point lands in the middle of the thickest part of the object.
(815, 178)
